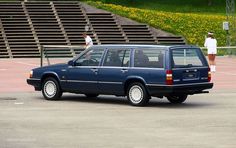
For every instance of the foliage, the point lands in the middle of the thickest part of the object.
(193, 27)
(186, 6)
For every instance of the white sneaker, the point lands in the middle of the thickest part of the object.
(212, 68)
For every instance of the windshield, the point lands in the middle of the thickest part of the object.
(187, 57)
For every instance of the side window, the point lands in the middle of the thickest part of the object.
(90, 58)
(151, 58)
(117, 58)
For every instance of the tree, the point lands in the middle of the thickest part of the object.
(209, 2)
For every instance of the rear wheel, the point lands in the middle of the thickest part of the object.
(51, 89)
(137, 94)
(177, 99)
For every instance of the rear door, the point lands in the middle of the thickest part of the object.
(114, 71)
(188, 66)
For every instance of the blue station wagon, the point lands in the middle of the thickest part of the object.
(135, 71)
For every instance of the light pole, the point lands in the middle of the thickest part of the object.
(230, 13)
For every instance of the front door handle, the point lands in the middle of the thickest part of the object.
(95, 70)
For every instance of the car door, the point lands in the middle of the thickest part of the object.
(188, 66)
(114, 71)
(83, 76)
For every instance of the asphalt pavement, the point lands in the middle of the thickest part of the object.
(203, 121)
(29, 121)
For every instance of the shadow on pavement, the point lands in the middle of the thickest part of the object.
(154, 102)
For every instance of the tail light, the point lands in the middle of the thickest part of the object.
(169, 77)
(209, 74)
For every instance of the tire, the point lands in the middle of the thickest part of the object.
(91, 95)
(51, 89)
(177, 99)
(137, 94)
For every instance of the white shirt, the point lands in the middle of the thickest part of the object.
(88, 41)
(211, 45)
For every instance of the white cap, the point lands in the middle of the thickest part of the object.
(210, 33)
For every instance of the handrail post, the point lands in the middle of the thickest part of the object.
(41, 55)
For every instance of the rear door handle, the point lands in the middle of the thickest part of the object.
(124, 70)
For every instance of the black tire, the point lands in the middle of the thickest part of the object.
(91, 95)
(51, 89)
(137, 94)
(177, 99)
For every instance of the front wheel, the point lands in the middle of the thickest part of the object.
(177, 99)
(51, 89)
(137, 94)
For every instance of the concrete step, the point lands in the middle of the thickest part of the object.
(22, 43)
(134, 26)
(53, 43)
(101, 19)
(13, 36)
(40, 16)
(72, 17)
(25, 46)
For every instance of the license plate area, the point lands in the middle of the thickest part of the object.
(190, 75)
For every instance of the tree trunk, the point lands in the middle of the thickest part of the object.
(209, 2)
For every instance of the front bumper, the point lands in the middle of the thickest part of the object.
(34, 82)
(190, 89)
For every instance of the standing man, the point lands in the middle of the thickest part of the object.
(88, 40)
(211, 45)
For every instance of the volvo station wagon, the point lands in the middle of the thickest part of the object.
(139, 72)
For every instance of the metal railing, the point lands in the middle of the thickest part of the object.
(46, 50)
(227, 50)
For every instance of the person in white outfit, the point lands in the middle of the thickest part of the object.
(211, 45)
(88, 40)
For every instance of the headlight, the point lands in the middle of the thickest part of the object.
(31, 74)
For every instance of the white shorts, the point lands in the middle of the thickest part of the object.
(211, 51)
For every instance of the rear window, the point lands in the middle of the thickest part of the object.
(187, 57)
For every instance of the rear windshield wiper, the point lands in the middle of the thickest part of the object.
(184, 66)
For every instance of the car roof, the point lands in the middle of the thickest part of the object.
(141, 46)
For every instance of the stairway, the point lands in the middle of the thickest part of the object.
(17, 30)
(3, 48)
(138, 34)
(27, 26)
(106, 29)
(47, 28)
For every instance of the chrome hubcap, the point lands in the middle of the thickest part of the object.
(136, 94)
(50, 89)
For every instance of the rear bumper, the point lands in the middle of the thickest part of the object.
(35, 82)
(174, 89)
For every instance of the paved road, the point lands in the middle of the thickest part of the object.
(204, 121)
(29, 121)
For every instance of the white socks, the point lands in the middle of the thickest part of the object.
(213, 68)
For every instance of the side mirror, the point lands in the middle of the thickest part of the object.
(71, 63)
